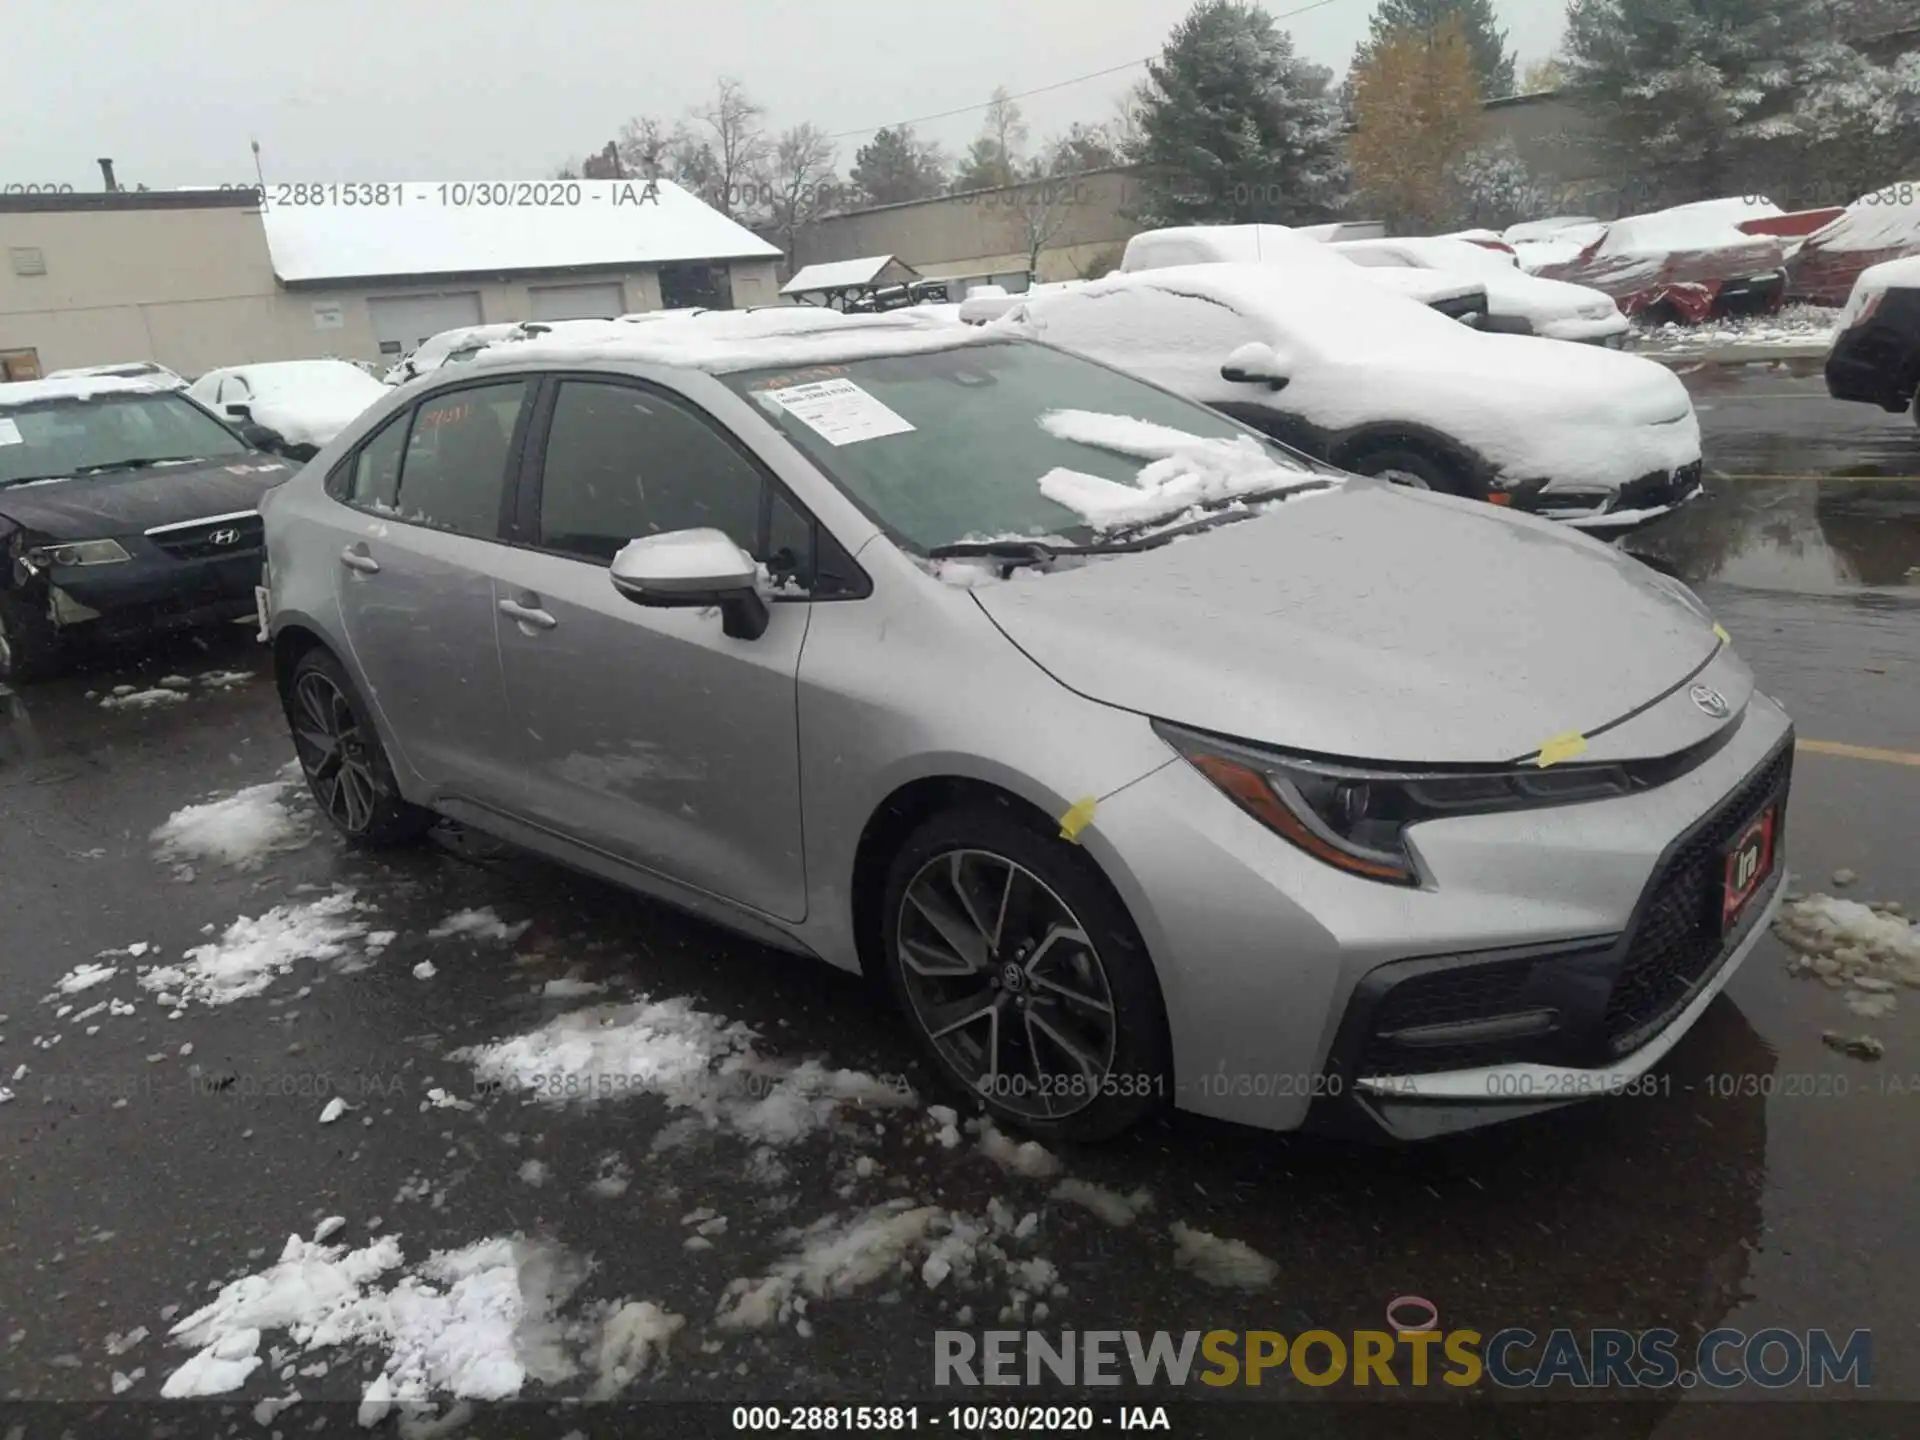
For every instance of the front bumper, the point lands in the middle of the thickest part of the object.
(1878, 363)
(1274, 966)
(1638, 503)
(175, 578)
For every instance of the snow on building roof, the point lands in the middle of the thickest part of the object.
(726, 340)
(842, 274)
(78, 387)
(461, 228)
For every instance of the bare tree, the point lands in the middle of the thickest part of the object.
(1041, 204)
(800, 182)
(738, 143)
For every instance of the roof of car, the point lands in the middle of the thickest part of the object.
(77, 387)
(724, 341)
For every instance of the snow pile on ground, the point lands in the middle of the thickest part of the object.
(893, 1242)
(1116, 1209)
(1183, 470)
(1794, 326)
(475, 1323)
(1028, 1158)
(242, 830)
(693, 1060)
(1863, 950)
(481, 924)
(125, 697)
(251, 953)
(1229, 1264)
(85, 977)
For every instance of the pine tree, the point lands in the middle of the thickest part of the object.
(1492, 60)
(1416, 99)
(1235, 127)
(1696, 96)
(896, 165)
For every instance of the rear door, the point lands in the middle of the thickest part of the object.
(416, 567)
(647, 733)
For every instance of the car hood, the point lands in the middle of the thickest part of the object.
(1369, 622)
(1521, 293)
(91, 507)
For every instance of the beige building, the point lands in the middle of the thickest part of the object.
(202, 278)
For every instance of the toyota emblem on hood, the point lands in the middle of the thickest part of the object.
(1710, 700)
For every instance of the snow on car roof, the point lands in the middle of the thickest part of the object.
(837, 274)
(1902, 274)
(300, 374)
(1218, 244)
(432, 231)
(78, 387)
(1703, 225)
(1880, 221)
(1437, 253)
(729, 340)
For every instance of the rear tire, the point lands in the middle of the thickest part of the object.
(341, 755)
(1403, 465)
(30, 646)
(1024, 977)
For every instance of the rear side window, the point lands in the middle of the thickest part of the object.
(453, 474)
(370, 477)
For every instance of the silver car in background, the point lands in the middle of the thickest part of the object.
(1147, 761)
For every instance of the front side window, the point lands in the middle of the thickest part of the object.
(453, 473)
(62, 437)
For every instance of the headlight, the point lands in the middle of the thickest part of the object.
(77, 552)
(1356, 818)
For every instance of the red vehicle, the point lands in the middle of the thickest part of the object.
(1691, 263)
(1878, 227)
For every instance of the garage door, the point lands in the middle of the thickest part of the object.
(578, 302)
(401, 322)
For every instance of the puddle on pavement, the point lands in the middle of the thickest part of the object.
(1823, 537)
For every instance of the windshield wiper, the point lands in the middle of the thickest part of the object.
(1223, 511)
(138, 462)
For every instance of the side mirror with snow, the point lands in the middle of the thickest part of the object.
(1256, 364)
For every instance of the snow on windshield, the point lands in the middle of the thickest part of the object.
(1183, 470)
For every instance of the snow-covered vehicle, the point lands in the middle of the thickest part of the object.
(1517, 303)
(1375, 384)
(1689, 263)
(295, 405)
(1874, 229)
(148, 370)
(990, 302)
(1282, 248)
(1875, 357)
(449, 347)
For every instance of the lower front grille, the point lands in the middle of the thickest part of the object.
(211, 539)
(1660, 487)
(1677, 944)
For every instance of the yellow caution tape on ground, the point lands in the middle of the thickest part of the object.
(1079, 815)
(1561, 748)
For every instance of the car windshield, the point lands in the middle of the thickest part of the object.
(952, 445)
(61, 437)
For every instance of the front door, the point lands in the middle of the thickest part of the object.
(418, 554)
(647, 733)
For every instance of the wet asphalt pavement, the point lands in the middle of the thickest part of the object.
(1712, 1205)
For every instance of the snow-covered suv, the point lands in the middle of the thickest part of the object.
(1876, 350)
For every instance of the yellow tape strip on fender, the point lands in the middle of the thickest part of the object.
(1079, 815)
(1720, 632)
(1562, 748)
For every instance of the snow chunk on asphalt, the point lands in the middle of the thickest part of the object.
(1230, 1264)
(1110, 1205)
(834, 1258)
(482, 924)
(1850, 939)
(85, 977)
(691, 1059)
(143, 700)
(242, 830)
(475, 1323)
(1029, 1157)
(247, 958)
(632, 1339)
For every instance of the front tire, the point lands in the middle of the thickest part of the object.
(30, 647)
(341, 755)
(1024, 977)
(1403, 465)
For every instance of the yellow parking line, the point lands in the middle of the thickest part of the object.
(1858, 752)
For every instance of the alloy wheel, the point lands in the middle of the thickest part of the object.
(1007, 984)
(335, 752)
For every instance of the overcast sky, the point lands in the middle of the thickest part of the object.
(402, 89)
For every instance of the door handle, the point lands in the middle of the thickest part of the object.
(528, 614)
(358, 559)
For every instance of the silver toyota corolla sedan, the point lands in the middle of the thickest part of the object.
(1146, 761)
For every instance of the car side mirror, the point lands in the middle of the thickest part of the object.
(239, 411)
(1256, 364)
(694, 569)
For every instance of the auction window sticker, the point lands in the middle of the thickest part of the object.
(10, 432)
(839, 411)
